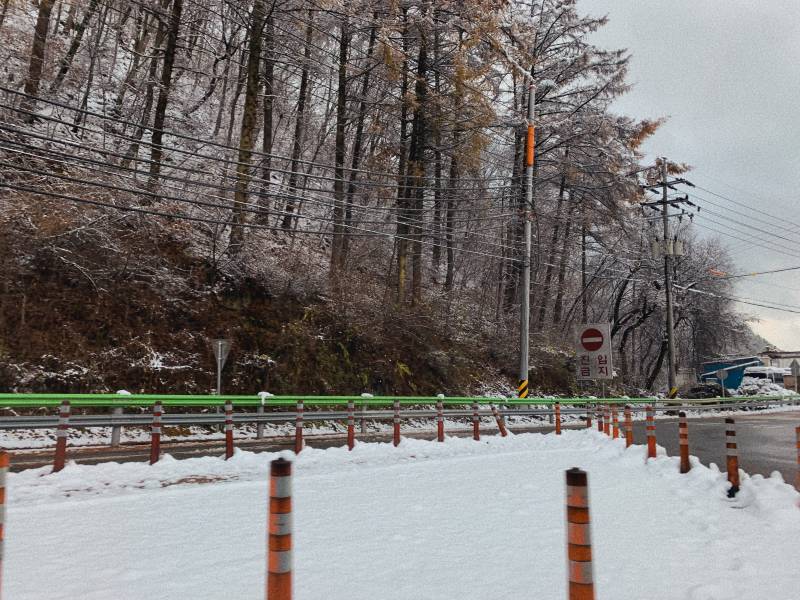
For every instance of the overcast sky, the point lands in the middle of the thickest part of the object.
(727, 74)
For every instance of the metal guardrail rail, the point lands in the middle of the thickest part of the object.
(144, 419)
(10, 400)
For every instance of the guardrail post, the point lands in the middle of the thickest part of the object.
(501, 424)
(61, 437)
(615, 421)
(557, 408)
(607, 420)
(351, 424)
(439, 420)
(228, 429)
(732, 456)
(155, 433)
(651, 432)
(797, 443)
(628, 427)
(363, 419)
(599, 414)
(4, 465)
(579, 540)
(260, 424)
(476, 423)
(588, 416)
(298, 428)
(116, 430)
(683, 438)
(279, 545)
(396, 424)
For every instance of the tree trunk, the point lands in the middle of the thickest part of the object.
(142, 35)
(339, 232)
(562, 271)
(66, 61)
(3, 12)
(95, 48)
(269, 103)
(548, 275)
(299, 125)
(163, 94)
(133, 150)
(38, 48)
(449, 224)
(651, 379)
(358, 140)
(401, 256)
(249, 125)
(415, 187)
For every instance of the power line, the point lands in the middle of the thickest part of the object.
(183, 216)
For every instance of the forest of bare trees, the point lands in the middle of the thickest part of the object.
(366, 154)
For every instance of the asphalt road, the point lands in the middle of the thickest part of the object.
(766, 443)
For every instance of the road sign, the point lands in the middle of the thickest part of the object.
(593, 352)
(795, 367)
(221, 349)
(592, 339)
(722, 374)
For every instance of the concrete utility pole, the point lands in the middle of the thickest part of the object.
(525, 304)
(671, 378)
(669, 248)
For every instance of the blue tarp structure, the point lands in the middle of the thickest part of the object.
(734, 366)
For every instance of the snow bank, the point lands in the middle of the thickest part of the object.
(754, 386)
(459, 520)
(454, 521)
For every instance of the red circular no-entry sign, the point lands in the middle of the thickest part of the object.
(592, 340)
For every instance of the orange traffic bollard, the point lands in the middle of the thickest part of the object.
(558, 418)
(732, 456)
(628, 427)
(651, 432)
(683, 438)
(588, 416)
(607, 419)
(155, 433)
(615, 421)
(476, 422)
(439, 421)
(228, 430)
(396, 423)
(501, 424)
(298, 427)
(599, 414)
(279, 543)
(351, 424)
(579, 540)
(61, 437)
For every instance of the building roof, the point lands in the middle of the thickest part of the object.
(781, 353)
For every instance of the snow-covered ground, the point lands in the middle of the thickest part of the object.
(461, 520)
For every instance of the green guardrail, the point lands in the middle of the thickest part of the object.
(143, 400)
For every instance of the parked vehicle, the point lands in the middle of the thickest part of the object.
(774, 374)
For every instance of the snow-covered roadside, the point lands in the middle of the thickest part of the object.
(21, 439)
(460, 520)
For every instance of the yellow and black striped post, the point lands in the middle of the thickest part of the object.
(522, 388)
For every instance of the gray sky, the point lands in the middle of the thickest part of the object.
(727, 74)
